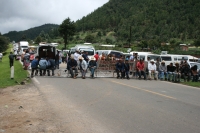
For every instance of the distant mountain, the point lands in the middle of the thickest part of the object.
(148, 19)
(30, 33)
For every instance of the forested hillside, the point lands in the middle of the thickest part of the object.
(48, 29)
(148, 19)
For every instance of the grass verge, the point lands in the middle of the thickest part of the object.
(194, 84)
(19, 73)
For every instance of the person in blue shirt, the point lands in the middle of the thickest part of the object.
(43, 65)
(34, 66)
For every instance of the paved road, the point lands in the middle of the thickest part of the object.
(109, 105)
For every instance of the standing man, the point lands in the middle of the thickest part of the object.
(11, 58)
(132, 57)
(57, 60)
(76, 55)
(34, 66)
(127, 69)
(96, 56)
(120, 68)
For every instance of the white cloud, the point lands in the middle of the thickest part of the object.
(24, 14)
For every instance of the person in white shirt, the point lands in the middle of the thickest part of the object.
(76, 55)
(132, 57)
(152, 70)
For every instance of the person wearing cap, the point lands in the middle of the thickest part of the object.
(141, 69)
(127, 69)
(177, 72)
(163, 71)
(152, 70)
(171, 71)
(83, 66)
(77, 55)
(92, 66)
(120, 68)
(72, 66)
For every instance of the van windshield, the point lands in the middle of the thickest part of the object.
(117, 54)
(90, 51)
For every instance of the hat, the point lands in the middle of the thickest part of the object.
(92, 58)
(163, 61)
(80, 58)
(77, 50)
(72, 56)
(152, 60)
(176, 63)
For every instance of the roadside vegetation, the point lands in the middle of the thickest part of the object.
(194, 84)
(19, 73)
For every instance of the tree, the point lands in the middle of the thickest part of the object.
(196, 43)
(38, 40)
(67, 30)
(89, 38)
(3, 43)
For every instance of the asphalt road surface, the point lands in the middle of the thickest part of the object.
(110, 105)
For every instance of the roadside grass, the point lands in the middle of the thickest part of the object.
(19, 73)
(194, 84)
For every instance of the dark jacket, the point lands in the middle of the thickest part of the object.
(185, 69)
(171, 68)
(11, 56)
(71, 63)
(34, 63)
(92, 63)
(126, 66)
(120, 66)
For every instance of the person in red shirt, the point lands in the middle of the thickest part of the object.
(140, 69)
(96, 56)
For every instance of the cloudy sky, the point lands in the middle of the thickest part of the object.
(24, 14)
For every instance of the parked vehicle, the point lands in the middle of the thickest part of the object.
(23, 46)
(86, 48)
(117, 54)
(171, 58)
(46, 50)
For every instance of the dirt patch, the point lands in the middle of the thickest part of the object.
(23, 110)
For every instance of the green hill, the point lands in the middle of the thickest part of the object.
(148, 19)
(31, 33)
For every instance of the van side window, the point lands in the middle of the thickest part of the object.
(166, 58)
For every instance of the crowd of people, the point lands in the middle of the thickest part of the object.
(150, 69)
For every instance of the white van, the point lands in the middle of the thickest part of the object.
(23, 46)
(145, 55)
(86, 48)
(171, 58)
(117, 54)
(46, 50)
